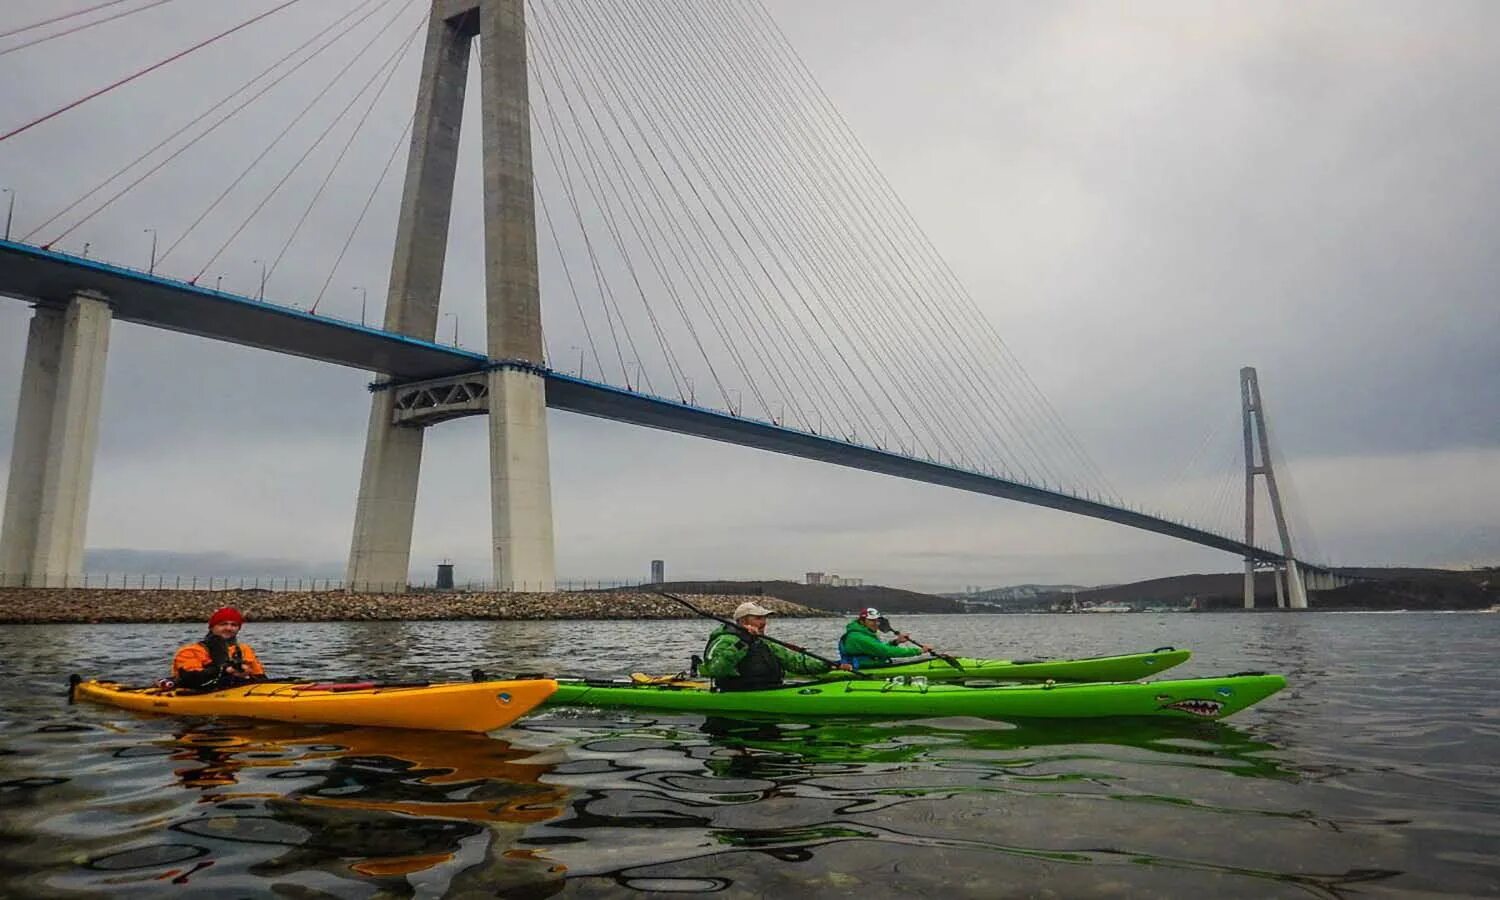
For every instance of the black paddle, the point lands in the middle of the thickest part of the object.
(765, 637)
(885, 625)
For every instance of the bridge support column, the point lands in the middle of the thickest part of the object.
(1276, 575)
(1295, 586)
(1249, 584)
(521, 498)
(520, 481)
(380, 553)
(57, 432)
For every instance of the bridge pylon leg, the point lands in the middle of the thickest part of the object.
(1276, 575)
(1249, 584)
(57, 431)
(520, 482)
(1295, 586)
(380, 553)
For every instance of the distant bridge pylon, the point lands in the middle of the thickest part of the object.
(1258, 462)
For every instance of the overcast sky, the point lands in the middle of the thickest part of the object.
(1142, 200)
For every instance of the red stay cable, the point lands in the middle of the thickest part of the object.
(154, 66)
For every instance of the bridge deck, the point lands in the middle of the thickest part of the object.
(45, 276)
(605, 401)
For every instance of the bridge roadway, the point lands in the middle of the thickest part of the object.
(41, 276)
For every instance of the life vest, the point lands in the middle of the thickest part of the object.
(860, 661)
(759, 670)
(200, 665)
(844, 657)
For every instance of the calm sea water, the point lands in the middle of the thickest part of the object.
(1374, 773)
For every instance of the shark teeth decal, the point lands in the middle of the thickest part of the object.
(1208, 709)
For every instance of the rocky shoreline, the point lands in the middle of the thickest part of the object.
(33, 606)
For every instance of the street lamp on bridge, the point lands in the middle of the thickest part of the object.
(151, 268)
(363, 295)
(10, 211)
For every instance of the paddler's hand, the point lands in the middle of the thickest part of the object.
(902, 638)
(844, 667)
(926, 649)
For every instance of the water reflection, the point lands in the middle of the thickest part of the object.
(373, 810)
(678, 801)
(1379, 757)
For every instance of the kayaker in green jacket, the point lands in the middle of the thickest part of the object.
(737, 658)
(861, 645)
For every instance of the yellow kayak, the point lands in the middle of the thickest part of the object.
(456, 706)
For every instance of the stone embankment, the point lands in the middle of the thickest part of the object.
(68, 605)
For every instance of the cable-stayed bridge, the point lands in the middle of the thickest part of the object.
(709, 218)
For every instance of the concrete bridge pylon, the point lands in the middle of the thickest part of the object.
(1288, 578)
(520, 485)
(57, 432)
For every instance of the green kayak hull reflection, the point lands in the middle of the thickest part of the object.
(1127, 667)
(1193, 698)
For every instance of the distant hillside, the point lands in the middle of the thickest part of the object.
(1410, 589)
(1015, 592)
(821, 596)
(1389, 588)
(1176, 590)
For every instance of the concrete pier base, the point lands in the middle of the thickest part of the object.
(520, 482)
(57, 432)
(1249, 584)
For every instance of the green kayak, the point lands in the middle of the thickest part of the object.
(1193, 698)
(1129, 667)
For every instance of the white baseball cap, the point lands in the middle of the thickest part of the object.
(869, 612)
(750, 608)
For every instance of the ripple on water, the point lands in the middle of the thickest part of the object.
(1374, 771)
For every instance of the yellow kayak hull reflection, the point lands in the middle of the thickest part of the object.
(458, 706)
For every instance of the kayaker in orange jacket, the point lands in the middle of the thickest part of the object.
(219, 660)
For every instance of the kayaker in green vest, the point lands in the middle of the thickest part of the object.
(862, 647)
(737, 658)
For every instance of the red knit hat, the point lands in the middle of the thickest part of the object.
(226, 614)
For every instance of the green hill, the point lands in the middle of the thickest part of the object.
(837, 600)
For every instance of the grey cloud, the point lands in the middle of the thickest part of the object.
(1142, 200)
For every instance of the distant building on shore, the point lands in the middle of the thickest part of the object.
(833, 580)
(658, 571)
